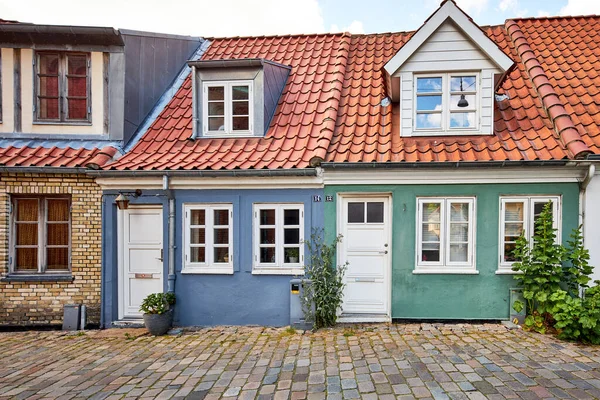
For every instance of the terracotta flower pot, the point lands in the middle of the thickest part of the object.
(159, 324)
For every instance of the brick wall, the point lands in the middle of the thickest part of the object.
(41, 303)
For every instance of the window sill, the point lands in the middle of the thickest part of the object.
(38, 278)
(445, 271)
(462, 132)
(207, 271)
(507, 271)
(225, 135)
(69, 123)
(278, 271)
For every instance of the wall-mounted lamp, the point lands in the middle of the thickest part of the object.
(123, 201)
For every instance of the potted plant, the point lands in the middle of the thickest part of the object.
(293, 255)
(158, 313)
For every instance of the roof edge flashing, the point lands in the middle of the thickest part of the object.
(234, 63)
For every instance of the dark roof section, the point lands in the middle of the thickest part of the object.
(21, 34)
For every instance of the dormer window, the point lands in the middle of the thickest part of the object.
(446, 102)
(228, 108)
(62, 87)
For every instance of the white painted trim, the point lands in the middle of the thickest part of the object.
(444, 271)
(207, 271)
(121, 256)
(278, 271)
(279, 264)
(449, 11)
(445, 112)
(444, 263)
(344, 198)
(529, 224)
(228, 111)
(209, 266)
(437, 176)
(205, 183)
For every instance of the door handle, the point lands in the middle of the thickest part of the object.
(383, 252)
(161, 255)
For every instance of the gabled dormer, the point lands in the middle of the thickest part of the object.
(235, 98)
(443, 77)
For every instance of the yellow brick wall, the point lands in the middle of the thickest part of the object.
(41, 303)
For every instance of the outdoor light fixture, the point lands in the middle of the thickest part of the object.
(123, 201)
(462, 103)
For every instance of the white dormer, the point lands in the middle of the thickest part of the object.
(443, 77)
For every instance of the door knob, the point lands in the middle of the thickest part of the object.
(385, 245)
(161, 255)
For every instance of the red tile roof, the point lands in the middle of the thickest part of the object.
(331, 106)
(55, 157)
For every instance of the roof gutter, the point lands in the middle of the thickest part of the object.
(45, 170)
(205, 174)
(442, 165)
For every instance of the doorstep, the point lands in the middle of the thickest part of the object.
(129, 323)
(350, 318)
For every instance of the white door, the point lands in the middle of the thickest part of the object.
(366, 226)
(140, 257)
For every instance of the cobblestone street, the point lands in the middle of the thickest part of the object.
(458, 361)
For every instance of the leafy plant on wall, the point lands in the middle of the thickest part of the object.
(323, 297)
(555, 281)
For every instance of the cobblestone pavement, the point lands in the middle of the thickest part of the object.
(439, 361)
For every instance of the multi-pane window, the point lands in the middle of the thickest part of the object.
(41, 234)
(446, 102)
(278, 235)
(227, 108)
(62, 87)
(208, 238)
(445, 233)
(517, 218)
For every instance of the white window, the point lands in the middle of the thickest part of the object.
(446, 102)
(517, 217)
(208, 238)
(278, 239)
(445, 235)
(227, 108)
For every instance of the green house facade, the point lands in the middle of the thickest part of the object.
(424, 279)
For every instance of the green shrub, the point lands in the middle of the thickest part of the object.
(552, 277)
(541, 270)
(327, 286)
(157, 303)
(578, 318)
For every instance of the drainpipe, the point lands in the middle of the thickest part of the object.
(582, 188)
(171, 275)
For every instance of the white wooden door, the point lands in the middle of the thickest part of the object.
(140, 257)
(366, 226)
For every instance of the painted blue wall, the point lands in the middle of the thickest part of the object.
(238, 299)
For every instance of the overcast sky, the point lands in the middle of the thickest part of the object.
(267, 17)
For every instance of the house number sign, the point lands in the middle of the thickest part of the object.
(329, 198)
(317, 198)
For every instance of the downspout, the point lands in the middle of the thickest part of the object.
(171, 274)
(582, 188)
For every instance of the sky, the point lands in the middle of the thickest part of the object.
(217, 18)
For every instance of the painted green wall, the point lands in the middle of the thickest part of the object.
(482, 296)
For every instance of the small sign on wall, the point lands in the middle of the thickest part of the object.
(316, 198)
(329, 198)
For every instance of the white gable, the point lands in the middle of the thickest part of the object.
(447, 12)
(448, 49)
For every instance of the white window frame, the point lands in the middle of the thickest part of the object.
(209, 266)
(505, 267)
(444, 265)
(228, 132)
(279, 267)
(445, 112)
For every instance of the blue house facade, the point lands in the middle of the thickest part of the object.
(234, 289)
